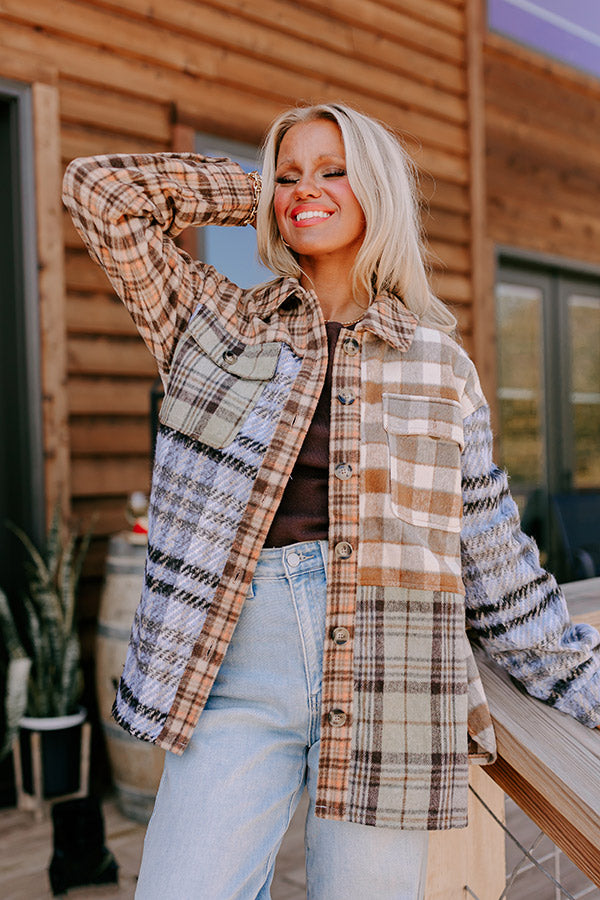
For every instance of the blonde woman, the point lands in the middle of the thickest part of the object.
(324, 510)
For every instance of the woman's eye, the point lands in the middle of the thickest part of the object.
(336, 173)
(285, 179)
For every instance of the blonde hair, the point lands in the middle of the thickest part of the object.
(383, 179)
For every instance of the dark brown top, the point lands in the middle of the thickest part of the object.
(303, 512)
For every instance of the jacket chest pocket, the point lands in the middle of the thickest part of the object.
(214, 383)
(425, 439)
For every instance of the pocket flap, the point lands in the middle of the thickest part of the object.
(436, 417)
(255, 362)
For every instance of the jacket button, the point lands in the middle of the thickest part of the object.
(351, 346)
(346, 396)
(343, 471)
(336, 717)
(340, 635)
(229, 357)
(343, 550)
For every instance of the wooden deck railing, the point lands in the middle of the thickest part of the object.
(547, 762)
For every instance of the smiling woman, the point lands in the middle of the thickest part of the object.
(318, 215)
(325, 516)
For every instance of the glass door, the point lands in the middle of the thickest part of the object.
(548, 332)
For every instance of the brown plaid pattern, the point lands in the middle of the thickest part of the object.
(394, 725)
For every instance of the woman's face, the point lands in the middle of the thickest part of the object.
(316, 210)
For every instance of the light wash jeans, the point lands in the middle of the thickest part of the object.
(223, 807)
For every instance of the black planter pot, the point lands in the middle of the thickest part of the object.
(60, 742)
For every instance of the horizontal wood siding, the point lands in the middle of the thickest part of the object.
(129, 70)
(543, 154)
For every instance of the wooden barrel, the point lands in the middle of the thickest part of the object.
(136, 765)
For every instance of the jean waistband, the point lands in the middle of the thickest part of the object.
(294, 559)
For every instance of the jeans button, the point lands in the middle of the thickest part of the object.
(336, 717)
(340, 635)
(293, 559)
(343, 550)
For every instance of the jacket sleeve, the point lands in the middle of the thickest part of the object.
(128, 209)
(515, 608)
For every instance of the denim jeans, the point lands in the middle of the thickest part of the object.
(223, 807)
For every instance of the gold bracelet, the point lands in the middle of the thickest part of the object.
(256, 187)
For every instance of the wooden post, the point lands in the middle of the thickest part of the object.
(48, 177)
(472, 856)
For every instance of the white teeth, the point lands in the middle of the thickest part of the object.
(312, 214)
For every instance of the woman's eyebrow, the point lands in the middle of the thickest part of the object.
(288, 161)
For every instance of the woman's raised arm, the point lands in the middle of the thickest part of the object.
(128, 209)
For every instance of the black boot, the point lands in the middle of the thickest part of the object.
(80, 856)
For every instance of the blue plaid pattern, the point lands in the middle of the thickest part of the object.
(198, 498)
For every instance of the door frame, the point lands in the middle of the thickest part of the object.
(36, 78)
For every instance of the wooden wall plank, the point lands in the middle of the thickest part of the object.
(108, 396)
(109, 356)
(84, 275)
(115, 112)
(371, 15)
(100, 314)
(108, 512)
(86, 140)
(97, 477)
(31, 69)
(437, 12)
(107, 435)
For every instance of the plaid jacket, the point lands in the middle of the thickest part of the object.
(420, 518)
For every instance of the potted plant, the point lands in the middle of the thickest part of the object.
(44, 678)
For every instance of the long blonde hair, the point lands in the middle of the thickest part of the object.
(383, 179)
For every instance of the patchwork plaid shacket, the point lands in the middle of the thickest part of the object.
(422, 528)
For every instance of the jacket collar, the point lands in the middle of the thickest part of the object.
(387, 317)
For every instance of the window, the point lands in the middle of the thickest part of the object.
(231, 251)
(548, 327)
(569, 31)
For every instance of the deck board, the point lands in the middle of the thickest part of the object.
(26, 848)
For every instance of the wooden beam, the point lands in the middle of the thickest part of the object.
(51, 281)
(482, 298)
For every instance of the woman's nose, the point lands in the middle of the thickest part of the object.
(306, 187)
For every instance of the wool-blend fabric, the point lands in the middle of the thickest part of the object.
(422, 529)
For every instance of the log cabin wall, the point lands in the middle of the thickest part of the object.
(542, 153)
(542, 163)
(128, 71)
